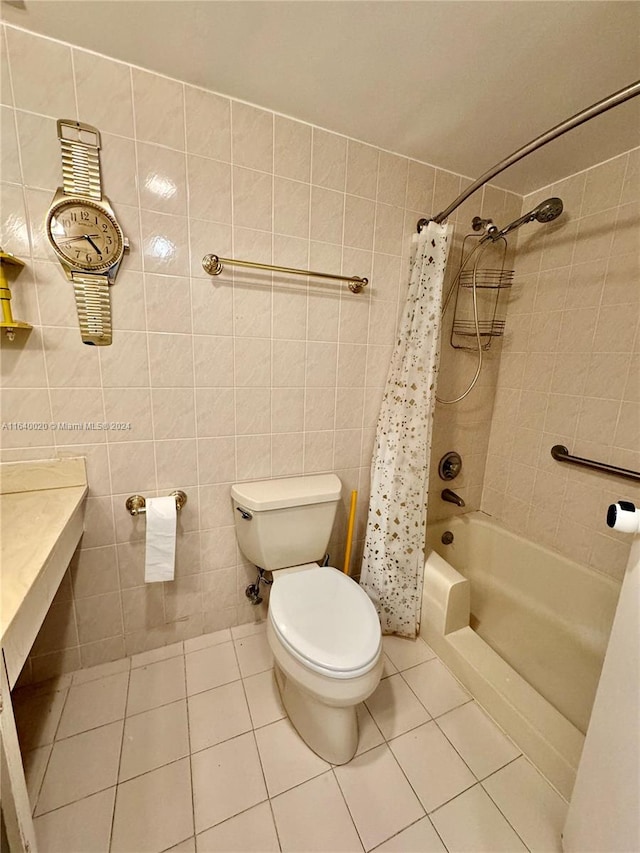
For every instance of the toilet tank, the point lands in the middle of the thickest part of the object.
(287, 522)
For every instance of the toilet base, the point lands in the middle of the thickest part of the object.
(322, 709)
(330, 731)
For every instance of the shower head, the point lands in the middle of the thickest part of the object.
(546, 211)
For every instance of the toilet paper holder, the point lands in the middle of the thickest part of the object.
(136, 504)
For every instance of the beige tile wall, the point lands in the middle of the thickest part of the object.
(570, 368)
(465, 426)
(240, 377)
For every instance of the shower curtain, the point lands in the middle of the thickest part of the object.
(394, 546)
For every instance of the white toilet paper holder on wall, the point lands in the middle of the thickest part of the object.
(136, 504)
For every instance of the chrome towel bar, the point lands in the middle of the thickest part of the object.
(561, 454)
(213, 264)
(136, 504)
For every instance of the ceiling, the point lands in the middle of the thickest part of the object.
(456, 83)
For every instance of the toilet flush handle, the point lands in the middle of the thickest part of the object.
(245, 513)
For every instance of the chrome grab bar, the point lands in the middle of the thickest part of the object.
(561, 454)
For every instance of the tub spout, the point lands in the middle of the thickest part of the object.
(451, 497)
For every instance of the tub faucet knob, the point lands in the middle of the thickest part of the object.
(450, 465)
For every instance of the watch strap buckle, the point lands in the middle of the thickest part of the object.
(80, 160)
(75, 131)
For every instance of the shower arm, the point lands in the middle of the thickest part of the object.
(594, 110)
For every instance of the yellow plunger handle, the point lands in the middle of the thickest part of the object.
(352, 521)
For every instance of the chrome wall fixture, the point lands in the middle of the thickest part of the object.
(448, 468)
(452, 497)
(214, 265)
(619, 97)
(136, 504)
(561, 454)
(450, 465)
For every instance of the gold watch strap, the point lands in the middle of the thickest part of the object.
(80, 144)
(94, 308)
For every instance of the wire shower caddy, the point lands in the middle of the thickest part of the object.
(492, 283)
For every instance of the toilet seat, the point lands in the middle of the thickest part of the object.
(326, 621)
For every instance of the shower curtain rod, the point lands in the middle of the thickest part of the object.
(594, 110)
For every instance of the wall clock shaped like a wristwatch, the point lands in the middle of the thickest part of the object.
(84, 231)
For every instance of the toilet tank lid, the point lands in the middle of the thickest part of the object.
(288, 491)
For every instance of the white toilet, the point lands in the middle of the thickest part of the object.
(322, 628)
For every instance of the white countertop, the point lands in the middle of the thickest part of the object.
(41, 522)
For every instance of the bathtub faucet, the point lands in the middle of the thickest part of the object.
(451, 497)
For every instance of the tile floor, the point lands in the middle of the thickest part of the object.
(187, 748)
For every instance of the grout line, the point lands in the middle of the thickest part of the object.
(303, 427)
(74, 81)
(573, 175)
(232, 278)
(497, 805)
(344, 799)
(189, 744)
(53, 743)
(39, 789)
(107, 444)
(271, 295)
(198, 529)
(227, 819)
(339, 341)
(108, 787)
(408, 826)
(255, 741)
(370, 297)
(600, 305)
(149, 771)
(292, 787)
(79, 800)
(495, 772)
(117, 782)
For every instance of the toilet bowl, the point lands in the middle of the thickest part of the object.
(322, 628)
(325, 638)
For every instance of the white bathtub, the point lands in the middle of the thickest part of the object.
(525, 629)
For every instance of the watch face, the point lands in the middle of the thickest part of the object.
(84, 235)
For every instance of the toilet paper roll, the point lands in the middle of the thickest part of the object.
(624, 516)
(160, 554)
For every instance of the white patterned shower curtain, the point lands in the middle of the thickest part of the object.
(392, 566)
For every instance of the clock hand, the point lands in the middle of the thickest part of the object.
(79, 237)
(87, 237)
